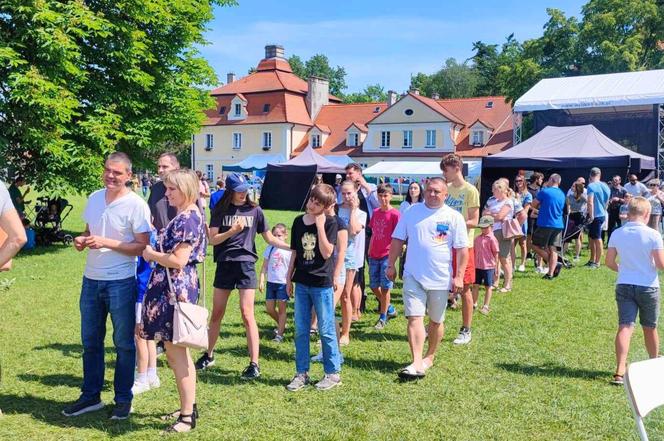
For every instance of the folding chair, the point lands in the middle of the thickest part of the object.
(644, 384)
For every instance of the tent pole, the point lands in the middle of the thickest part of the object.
(517, 120)
(660, 141)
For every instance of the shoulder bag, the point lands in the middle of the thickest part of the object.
(512, 229)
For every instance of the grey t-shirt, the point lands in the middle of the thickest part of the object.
(242, 246)
(578, 206)
(161, 212)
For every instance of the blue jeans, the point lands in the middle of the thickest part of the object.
(322, 300)
(98, 299)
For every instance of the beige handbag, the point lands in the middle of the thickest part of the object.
(190, 321)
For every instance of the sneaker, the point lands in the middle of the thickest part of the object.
(204, 362)
(251, 372)
(154, 383)
(298, 382)
(484, 310)
(594, 265)
(318, 358)
(556, 271)
(121, 411)
(329, 381)
(589, 263)
(81, 406)
(380, 325)
(464, 337)
(540, 270)
(521, 268)
(547, 277)
(391, 312)
(139, 387)
(160, 348)
(278, 338)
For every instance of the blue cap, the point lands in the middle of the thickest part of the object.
(236, 182)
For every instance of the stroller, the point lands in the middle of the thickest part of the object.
(49, 215)
(573, 228)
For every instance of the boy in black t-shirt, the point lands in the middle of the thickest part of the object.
(313, 237)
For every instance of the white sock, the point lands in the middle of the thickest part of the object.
(152, 373)
(141, 377)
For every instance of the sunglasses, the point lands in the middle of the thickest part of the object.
(652, 185)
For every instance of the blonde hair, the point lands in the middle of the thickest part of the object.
(499, 184)
(184, 180)
(638, 206)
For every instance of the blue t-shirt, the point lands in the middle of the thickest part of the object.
(216, 197)
(552, 203)
(601, 194)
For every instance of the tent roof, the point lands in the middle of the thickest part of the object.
(607, 90)
(414, 168)
(307, 158)
(342, 160)
(573, 142)
(254, 162)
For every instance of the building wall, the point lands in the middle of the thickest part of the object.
(444, 142)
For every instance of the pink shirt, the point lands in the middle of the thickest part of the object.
(382, 226)
(486, 248)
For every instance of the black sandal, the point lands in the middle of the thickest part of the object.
(192, 424)
(176, 414)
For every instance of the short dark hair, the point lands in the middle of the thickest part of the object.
(353, 166)
(324, 193)
(385, 188)
(120, 157)
(172, 157)
(437, 179)
(535, 176)
(451, 160)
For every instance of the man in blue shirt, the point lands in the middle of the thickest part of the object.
(550, 201)
(598, 199)
(216, 196)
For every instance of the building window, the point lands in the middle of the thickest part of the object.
(431, 138)
(209, 141)
(222, 110)
(209, 171)
(385, 139)
(353, 139)
(315, 141)
(408, 138)
(238, 109)
(266, 108)
(478, 137)
(267, 140)
(237, 141)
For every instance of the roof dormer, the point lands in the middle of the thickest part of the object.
(318, 135)
(355, 134)
(479, 133)
(238, 110)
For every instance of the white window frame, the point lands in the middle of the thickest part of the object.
(431, 138)
(477, 137)
(237, 140)
(407, 139)
(209, 171)
(314, 140)
(267, 140)
(209, 141)
(385, 139)
(353, 139)
(237, 107)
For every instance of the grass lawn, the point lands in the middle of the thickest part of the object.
(537, 368)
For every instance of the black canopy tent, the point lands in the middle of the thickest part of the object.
(569, 151)
(287, 185)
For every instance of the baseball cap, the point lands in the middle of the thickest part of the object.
(236, 182)
(485, 221)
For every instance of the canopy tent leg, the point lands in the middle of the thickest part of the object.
(517, 120)
(660, 141)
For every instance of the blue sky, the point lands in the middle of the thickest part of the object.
(376, 41)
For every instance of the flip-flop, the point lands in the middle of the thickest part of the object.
(410, 373)
(618, 380)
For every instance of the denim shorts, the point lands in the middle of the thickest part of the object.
(633, 299)
(377, 276)
(276, 291)
(484, 277)
(595, 228)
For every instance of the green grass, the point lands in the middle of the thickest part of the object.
(537, 368)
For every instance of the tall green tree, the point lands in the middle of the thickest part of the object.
(371, 94)
(319, 66)
(453, 80)
(81, 78)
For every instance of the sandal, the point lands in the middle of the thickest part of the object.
(484, 310)
(176, 414)
(504, 290)
(409, 373)
(618, 379)
(173, 427)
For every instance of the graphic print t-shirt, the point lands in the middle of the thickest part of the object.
(382, 225)
(462, 198)
(242, 246)
(311, 268)
(277, 264)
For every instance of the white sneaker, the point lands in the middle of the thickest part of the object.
(463, 338)
(576, 258)
(139, 387)
(521, 268)
(541, 270)
(154, 383)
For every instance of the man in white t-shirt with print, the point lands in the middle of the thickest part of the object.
(117, 230)
(433, 230)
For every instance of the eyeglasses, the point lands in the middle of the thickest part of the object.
(652, 185)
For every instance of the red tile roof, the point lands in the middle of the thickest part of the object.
(283, 107)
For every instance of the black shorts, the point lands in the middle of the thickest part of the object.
(595, 228)
(532, 225)
(235, 275)
(484, 277)
(545, 237)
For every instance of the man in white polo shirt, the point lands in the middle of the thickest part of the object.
(117, 230)
(433, 230)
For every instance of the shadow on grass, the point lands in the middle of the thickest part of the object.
(74, 350)
(552, 370)
(55, 380)
(227, 377)
(50, 412)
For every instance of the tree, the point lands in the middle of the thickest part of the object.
(454, 80)
(319, 66)
(371, 94)
(80, 79)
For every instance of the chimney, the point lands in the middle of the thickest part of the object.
(415, 91)
(274, 51)
(230, 77)
(391, 98)
(318, 95)
(435, 96)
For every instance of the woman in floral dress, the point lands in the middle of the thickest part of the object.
(181, 246)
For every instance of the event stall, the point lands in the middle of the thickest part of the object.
(568, 151)
(254, 163)
(418, 170)
(287, 185)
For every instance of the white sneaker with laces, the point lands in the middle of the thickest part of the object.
(521, 268)
(139, 387)
(463, 338)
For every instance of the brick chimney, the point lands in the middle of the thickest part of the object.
(318, 95)
(391, 98)
(274, 51)
(230, 77)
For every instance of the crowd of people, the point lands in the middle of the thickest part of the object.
(142, 263)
